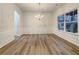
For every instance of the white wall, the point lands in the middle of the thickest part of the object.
(7, 32)
(30, 25)
(74, 38)
(34, 26)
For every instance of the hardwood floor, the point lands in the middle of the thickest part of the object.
(39, 44)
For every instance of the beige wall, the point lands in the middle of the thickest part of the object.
(74, 38)
(7, 32)
(34, 26)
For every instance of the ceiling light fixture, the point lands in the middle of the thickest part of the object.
(39, 16)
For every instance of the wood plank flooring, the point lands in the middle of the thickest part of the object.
(39, 44)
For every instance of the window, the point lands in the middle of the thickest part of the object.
(16, 22)
(61, 22)
(71, 22)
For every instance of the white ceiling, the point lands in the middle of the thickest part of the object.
(44, 7)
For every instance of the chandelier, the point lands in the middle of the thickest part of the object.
(39, 16)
